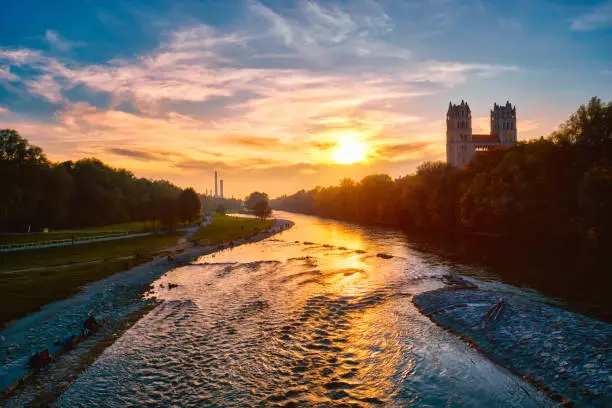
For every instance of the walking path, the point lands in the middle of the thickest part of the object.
(88, 240)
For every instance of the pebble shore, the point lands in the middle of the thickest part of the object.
(567, 354)
(115, 300)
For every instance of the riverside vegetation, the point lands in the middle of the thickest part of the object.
(37, 193)
(538, 211)
(556, 188)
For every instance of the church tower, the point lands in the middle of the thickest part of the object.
(503, 123)
(459, 149)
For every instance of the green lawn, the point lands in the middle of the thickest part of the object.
(27, 291)
(129, 227)
(86, 252)
(226, 228)
(40, 237)
(135, 226)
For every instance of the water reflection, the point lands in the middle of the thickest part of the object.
(310, 318)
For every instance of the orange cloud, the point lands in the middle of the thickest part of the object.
(207, 99)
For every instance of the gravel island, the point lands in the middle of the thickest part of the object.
(567, 354)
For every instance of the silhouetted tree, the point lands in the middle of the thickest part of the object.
(38, 193)
(555, 189)
(220, 209)
(169, 212)
(253, 198)
(16, 149)
(189, 204)
(262, 209)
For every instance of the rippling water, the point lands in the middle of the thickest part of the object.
(311, 317)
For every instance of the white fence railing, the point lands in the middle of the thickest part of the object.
(66, 242)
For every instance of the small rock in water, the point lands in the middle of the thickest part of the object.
(384, 256)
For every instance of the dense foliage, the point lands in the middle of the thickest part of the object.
(551, 189)
(262, 209)
(39, 194)
(255, 197)
(258, 204)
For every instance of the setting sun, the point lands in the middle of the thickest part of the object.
(349, 151)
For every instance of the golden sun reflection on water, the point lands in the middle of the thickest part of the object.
(312, 317)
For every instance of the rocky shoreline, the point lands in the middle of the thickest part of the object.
(117, 299)
(566, 354)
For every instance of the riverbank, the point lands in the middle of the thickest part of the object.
(566, 354)
(115, 299)
(31, 279)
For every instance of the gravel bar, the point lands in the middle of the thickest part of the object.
(567, 354)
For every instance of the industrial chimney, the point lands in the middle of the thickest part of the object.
(221, 188)
(216, 184)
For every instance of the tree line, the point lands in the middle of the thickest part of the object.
(556, 188)
(37, 193)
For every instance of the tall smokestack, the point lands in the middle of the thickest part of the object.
(221, 187)
(215, 184)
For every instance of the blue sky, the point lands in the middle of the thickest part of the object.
(267, 89)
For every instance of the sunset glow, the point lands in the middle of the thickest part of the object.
(268, 88)
(349, 152)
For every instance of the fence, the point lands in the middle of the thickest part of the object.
(66, 242)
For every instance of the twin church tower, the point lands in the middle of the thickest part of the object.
(461, 144)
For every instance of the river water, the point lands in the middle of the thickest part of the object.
(310, 317)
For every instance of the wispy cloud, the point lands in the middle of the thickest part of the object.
(6, 74)
(136, 154)
(287, 85)
(598, 17)
(58, 42)
(47, 87)
(400, 151)
(330, 33)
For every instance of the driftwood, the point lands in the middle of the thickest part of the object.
(493, 313)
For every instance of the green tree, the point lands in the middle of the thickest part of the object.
(169, 212)
(15, 148)
(590, 125)
(262, 209)
(189, 205)
(255, 197)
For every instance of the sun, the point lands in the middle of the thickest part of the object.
(349, 152)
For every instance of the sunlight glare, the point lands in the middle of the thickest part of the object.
(349, 152)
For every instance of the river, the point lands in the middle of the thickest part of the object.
(309, 317)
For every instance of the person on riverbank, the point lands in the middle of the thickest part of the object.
(40, 360)
(91, 325)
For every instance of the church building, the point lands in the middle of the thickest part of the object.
(462, 145)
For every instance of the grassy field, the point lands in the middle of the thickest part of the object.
(135, 226)
(226, 228)
(86, 252)
(129, 227)
(27, 291)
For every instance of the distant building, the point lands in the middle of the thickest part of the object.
(462, 145)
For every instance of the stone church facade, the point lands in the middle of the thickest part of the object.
(462, 144)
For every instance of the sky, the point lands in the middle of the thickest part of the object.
(266, 92)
